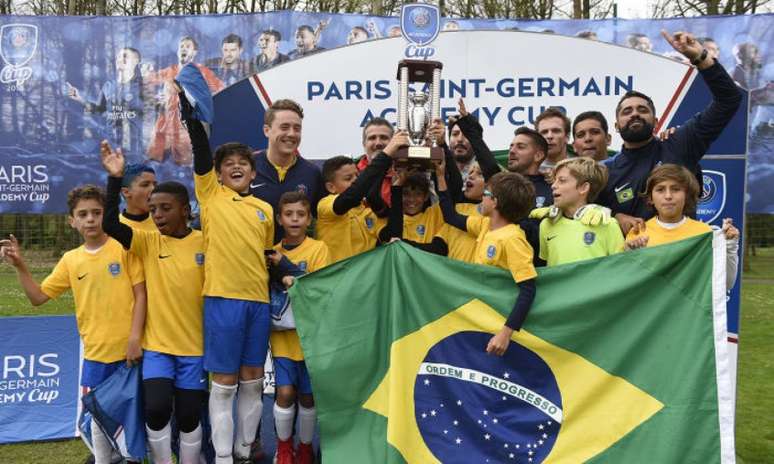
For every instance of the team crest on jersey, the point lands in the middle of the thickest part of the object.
(713, 196)
(624, 195)
(302, 265)
(199, 258)
(369, 222)
(490, 251)
(302, 188)
(421, 230)
(589, 237)
(114, 269)
(261, 216)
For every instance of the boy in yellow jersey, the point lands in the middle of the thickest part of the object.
(109, 291)
(173, 261)
(499, 240)
(344, 223)
(292, 378)
(673, 191)
(139, 181)
(238, 229)
(564, 238)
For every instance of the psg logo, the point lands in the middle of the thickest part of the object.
(470, 408)
(420, 17)
(708, 189)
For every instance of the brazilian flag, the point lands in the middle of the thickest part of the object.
(621, 360)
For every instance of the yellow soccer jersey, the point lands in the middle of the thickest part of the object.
(310, 256)
(422, 227)
(174, 273)
(462, 246)
(102, 288)
(237, 230)
(658, 234)
(349, 234)
(146, 224)
(506, 248)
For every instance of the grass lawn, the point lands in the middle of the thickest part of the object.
(754, 427)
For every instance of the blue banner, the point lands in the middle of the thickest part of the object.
(39, 385)
(68, 82)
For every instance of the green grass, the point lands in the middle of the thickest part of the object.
(754, 426)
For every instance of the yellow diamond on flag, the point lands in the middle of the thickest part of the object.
(597, 408)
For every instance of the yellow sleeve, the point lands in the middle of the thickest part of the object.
(206, 186)
(58, 281)
(136, 272)
(518, 255)
(475, 224)
(269, 242)
(322, 258)
(615, 242)
(325, 207)
(141, 241)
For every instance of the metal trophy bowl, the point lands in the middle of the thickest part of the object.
(416, 110)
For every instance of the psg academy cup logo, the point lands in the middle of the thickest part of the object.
(468, 405)
(713, 196)
(18, 43)
(420, 24)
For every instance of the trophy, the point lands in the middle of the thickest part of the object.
(417, 110)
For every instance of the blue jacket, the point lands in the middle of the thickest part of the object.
(629, 170)
(303, 175)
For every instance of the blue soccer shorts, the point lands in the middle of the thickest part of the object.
(187, 371)
(94, 373)
(290, 372)
(236, 333)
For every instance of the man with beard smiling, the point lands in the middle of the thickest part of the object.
(641, 152)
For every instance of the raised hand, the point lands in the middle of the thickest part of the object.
(436, 133)
(9, 250)
(685, 43)
(461, 107)
(398, 140)
(729, 230)
(112, 161)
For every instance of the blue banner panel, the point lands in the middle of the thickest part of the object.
(39, 382)
(68, 82)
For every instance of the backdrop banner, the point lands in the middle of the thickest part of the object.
(39, 385)
(68, 82)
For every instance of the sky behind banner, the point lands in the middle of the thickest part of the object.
(61, 93)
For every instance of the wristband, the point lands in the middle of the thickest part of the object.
(701, 58)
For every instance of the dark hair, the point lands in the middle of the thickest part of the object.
(417, 181)
(232, 38)
(682, 176)
(586, 34)
(632, 38)
(84, 192)
(632, 94)
(133, 50)
(282, 105)
(702, 40)
(176, 189)
(553, 112)
(535, 136)
(233, 148)
(305, 27)
(515, 195)
(132, 171)
(189, 38)
(295, 196)
(274, 33)
(595, 115)
(361, 29)
(377, 122)
(331, 165)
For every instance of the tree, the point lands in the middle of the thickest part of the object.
(672, 8)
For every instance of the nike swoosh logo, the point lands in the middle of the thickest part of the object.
(202, 380)
(254, 186)
(164, 256)
(618, 189)
(548, 239)
(82, 276)
(236, 199)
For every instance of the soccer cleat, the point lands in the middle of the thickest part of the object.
(305, 454)
(284, 452)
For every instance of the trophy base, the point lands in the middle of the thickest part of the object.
(419, 157)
